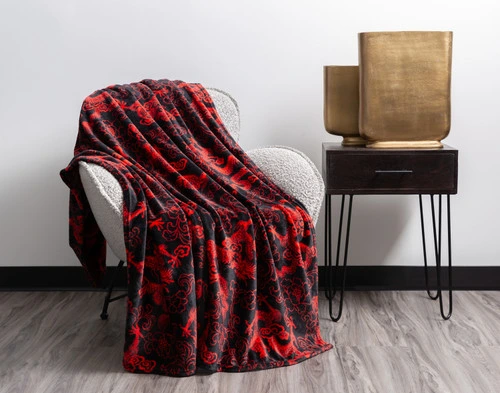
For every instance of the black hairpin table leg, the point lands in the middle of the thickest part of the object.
(426, 269)
(437, 232)
(328, 245)
(331, 282)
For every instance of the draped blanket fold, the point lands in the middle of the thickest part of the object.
(221, 263)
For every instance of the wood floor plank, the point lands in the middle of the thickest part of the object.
(366, 321)
(456, 370)
(491, 363)
(54, 342)
(380, 369)
(472, 324)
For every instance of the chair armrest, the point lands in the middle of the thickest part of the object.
(294, 173)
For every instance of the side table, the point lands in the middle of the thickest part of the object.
(350, 171)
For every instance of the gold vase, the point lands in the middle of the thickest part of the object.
(405, 88)
(341, 103)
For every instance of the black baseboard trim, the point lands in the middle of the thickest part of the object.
(359, 278)
(53, 278)
(412, 278)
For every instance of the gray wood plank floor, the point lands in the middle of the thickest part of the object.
(385, 342)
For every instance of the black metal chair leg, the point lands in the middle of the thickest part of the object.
(426, 268)
(332, 280)
(108, 299)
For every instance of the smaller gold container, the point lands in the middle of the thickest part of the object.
(341, 105)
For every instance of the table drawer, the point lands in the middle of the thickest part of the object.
(380, 173)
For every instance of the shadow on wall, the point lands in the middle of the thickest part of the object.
(34, 211)
(377, 223)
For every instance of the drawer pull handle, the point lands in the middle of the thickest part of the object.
(394, 171)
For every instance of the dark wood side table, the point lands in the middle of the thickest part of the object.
(350, 171)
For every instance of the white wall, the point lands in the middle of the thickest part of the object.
(269, 55)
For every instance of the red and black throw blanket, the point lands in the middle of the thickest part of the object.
(221, 263)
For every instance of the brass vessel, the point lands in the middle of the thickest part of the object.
(341, 103)
(405, 82)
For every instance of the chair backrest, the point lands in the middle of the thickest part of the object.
(228, 111)
(105, 195)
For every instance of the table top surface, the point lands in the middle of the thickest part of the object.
(336, 146)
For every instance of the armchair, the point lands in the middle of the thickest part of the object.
(288, 168)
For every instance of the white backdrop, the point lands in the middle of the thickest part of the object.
(269, 55)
